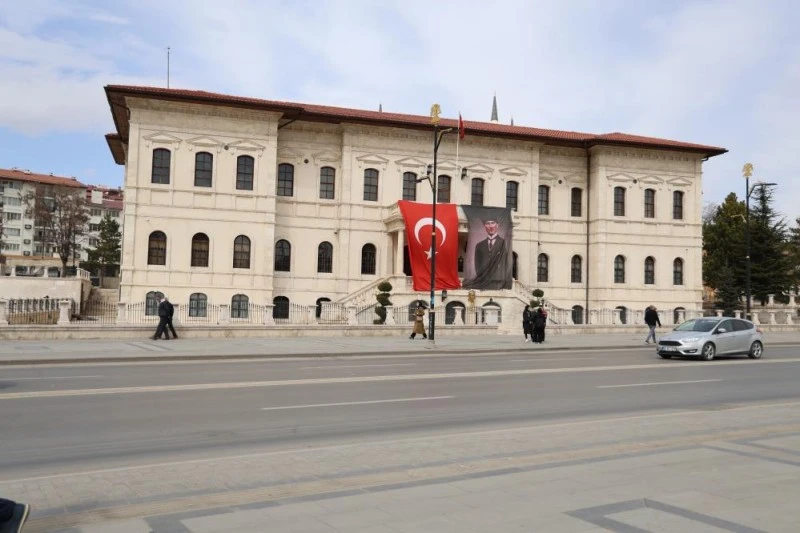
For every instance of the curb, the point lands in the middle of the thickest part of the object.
(257, 356)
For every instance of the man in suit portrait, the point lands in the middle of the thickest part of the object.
(490, 260)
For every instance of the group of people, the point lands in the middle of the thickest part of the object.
(534, 324)
(165, 312)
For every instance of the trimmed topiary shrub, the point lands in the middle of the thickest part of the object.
(384, 290)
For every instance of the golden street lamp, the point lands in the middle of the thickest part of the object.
(747, 172)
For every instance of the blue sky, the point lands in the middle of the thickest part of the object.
(725, 73)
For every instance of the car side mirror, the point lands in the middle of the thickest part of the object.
(721, 330)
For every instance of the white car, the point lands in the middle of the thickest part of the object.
(708, 337)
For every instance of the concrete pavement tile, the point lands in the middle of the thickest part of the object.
(345, 521)
(122, 526)
(439, 524)
(424, 506)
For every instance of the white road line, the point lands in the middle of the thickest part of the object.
(335, 366)
(656, 383)
(537, 359)
(385, 378)
(55, 377)
(396, 400)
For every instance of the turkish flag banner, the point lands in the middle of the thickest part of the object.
(418, 218)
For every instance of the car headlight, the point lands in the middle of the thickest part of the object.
(690, 340)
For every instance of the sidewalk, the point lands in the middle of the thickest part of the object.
(71, 351)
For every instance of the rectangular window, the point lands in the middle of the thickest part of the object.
(12, 216)
(12, 232)
(94, 227)
(619, 201)
(677, 205)
(96, 212)
(443, 192)
(649, 203)
(576, 204)
(512, 195)
(11, 246)
(327, 183)
(245, 167)
(371, 185)
(11, 201)
(477, 192)
(544, 200)
(410, 186)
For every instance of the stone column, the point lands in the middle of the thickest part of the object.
(719, 313)
(312, 314)
(770, 300)
(737, 314)
(352, 320)
(122, 313)
(3, 313)
(754, 319)
(398, 258)
(772, 317)
(458, 321)
(268, 318)
(389, 315)
(792, 302)
(63, 313)
(789, 318)
(224, 314)
(491, 316)
(593, 316)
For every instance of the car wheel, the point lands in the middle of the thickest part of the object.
(665, 356)
(709, 351)
(756, 350)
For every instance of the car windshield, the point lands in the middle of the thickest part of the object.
(697, 325)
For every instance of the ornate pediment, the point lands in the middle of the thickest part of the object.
(162, 139)
(204, 143)
(620, 178)
(245, 147)
(651, 180)
(410, 162)
(680, 182)
(513, 172)
(372, 160)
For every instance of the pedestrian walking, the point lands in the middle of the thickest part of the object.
(538, 326)
(13, 516)
(171, 310)
(419, 324)
(163, 317)
(544, 325)
(652, 320)
(527, 327)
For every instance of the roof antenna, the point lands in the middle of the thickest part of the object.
(167, 67)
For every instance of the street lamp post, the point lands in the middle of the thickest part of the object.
(747, 172)
(437, 140)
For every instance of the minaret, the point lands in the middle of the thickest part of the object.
(380, 108)
(494, 109)
(512, 121)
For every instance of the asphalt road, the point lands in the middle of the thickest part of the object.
(82, 417)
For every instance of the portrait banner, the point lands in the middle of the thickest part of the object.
(489, 261)
(418, 218)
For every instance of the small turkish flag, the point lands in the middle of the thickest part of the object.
(420, 227)
(461, 131)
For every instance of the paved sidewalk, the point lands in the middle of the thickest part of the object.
(66, 351)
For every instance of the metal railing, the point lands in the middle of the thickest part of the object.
(94, 312)
(39, 311)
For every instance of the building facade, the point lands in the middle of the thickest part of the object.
(232, 199)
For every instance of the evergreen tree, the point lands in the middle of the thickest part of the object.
(771, 260)
(107, 251)
(725, 247)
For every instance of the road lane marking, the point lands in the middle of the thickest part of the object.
(385, 378)
(334, 366)
(656, 383)
(395, 400)
(537, 359)
(54, 377)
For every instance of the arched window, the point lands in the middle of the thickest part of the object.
(649, 203)
(649, 271)
(241, 252)
(443, 191)
(409, 186)
(676, 315)
(368, 259)
(157, 248)
(619, 269)
(576, 269)
(240, 306)
(285, 179)
(245, 168)
(203, 167)
(161, 166)
(577, 314)
(542, 268)
(544, 200)
(320, 301)
(576, 202)
(677, 205)
(677, 271)
(623, 314)
(370, 185)
(198, 303)
(327, 183)
(477, 191)
(325, 257)
(512, 195)
(151, 303)
(450, 312)
(283, 256)
(280, 309)
(619, 201)
(200, 244)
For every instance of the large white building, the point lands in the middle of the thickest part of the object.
(232, 199)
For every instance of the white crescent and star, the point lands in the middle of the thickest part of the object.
(428, 221)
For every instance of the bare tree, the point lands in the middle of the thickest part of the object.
(61, 214)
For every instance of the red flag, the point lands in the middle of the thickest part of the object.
(461, 131)
(418, 218)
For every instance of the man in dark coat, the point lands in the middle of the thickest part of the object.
(171, 310)
(163, 318)
(538, 326)
(527, 317)
(652, 320)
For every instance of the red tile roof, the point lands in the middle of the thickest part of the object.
(46, 179)
(117, 94)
